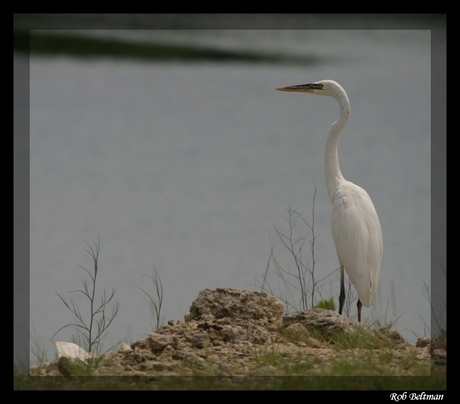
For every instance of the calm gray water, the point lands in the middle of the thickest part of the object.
(188, 167)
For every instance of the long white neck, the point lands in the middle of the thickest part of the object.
(331, 158)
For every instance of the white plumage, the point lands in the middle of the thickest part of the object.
(355, 224)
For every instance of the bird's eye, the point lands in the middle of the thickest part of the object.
(320, 85)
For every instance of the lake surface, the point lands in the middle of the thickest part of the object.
(188, 167)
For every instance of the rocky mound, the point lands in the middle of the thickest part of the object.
(240, 332)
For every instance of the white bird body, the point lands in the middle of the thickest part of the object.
(355, 224)
(358, 239)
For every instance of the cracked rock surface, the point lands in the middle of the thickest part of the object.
(231, 332)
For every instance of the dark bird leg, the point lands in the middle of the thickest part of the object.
(360, 305)
(342, 290)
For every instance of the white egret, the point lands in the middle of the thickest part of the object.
(355, 224)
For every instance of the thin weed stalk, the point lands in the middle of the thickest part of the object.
(157, 301)
(298, 288)
(91, 330)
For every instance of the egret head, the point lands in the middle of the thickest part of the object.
(323, 87)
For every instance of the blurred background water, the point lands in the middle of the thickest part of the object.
(174, 149)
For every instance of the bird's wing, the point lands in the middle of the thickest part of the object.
(358, 239)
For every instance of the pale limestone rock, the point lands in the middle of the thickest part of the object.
(72, 351)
